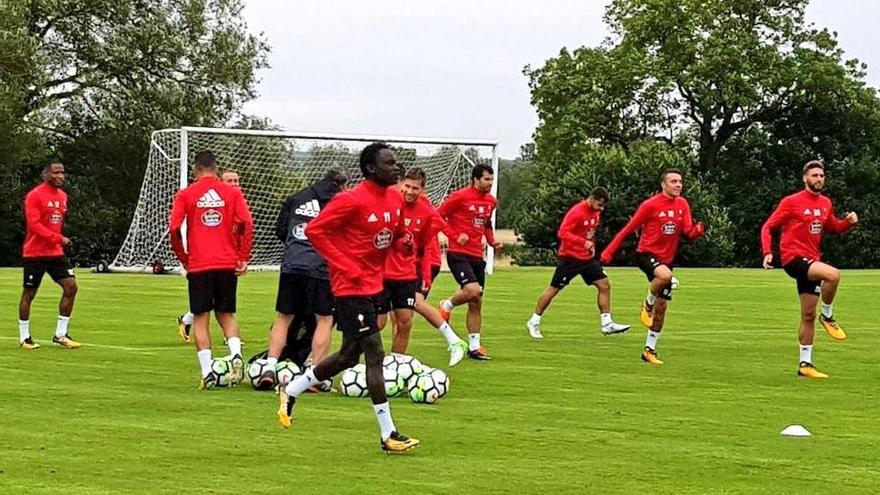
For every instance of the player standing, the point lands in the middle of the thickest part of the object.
(45, 209)
(803, 217)
(219, 236)
(468, 213)
(577, 251)
(664, 218)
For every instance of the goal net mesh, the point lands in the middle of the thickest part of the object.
(271, 166)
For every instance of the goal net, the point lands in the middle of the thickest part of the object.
(271, 166)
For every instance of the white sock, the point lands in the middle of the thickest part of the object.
(301, 383)
(446, 304)
(650, 298)
(386, 424)
(605, 319)
(234, 344)
(61, 326)
(651, 341)
(272, 361)
(187, 318)
(205, 361)
(827, 311)
(535, 319)
(448, 333)
(473, 341)
(807, 353)
(24, 330)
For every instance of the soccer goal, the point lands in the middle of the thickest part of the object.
(272, 165)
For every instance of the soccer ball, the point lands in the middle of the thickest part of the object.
(223, 369)
(285, 371)
(429, 386)
(353, 382)
(394, 383)
(405, 365)
(256, 370)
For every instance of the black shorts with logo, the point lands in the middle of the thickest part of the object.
(356, 316)
(300, 294)
(33, 270)
(569, 268)
(435, 270)
(798, 269)
(647, 262)
(213, 290)
(467, 269)
(399, 294)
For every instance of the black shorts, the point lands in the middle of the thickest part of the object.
(213, 290)
(569, 268)
(356, 316)
(467, 269)
(34, 268)
(647, 262)
(798, 269)
(300, 294)
(435, 270)
(398, 295)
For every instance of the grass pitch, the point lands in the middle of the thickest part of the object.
(575, 413)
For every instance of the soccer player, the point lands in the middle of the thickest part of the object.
(219, 236)
(353, 234)
(468, 213)
(184, 321)
(45, 209)
(664, 218)
(304, 283)
(408, 270)
(803, 216)
(577, 251)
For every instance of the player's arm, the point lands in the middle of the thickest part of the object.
(283, 220)
(425, 242)
(445, 212)
(175, 225)
(489, 232)
(334, 218)
(691, 230)
(245, 231)
(566, 232)
(643, 213)
(33, 222)
(777, 218)
(840, 225)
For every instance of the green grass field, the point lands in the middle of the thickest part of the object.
(575, 413)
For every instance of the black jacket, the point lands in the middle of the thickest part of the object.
(298, 209)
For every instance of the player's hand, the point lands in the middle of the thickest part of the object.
(589, 245)
(698, 230)
(768, 262)
(65, 241)
(606, 258)
(462, 239)
(241, 268)
(852, 217)
(426, 285)
(498, 245)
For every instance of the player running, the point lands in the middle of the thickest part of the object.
(408, 270)
(219, 236)
(664, 218)
(468, 213)
(577, 251)
(353, 234)
(45, 209)
(803, 216)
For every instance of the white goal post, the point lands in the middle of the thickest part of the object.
(273, 165)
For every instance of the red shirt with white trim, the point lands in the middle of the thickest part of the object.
(663, 220)
(411, 252)
(45, 209)
(469, 211)
(578, 226)
(803, 217)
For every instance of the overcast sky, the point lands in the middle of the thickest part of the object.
(446, 68)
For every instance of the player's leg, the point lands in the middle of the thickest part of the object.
(806, 334)
(658, 311)
(456, 347)
(32, 275)
(400, 339)
(603, 301)
(62, 273)
(225, 302)
(200, 287)
(184, 326)
(462, 269)
(829, 277)
(474, 326)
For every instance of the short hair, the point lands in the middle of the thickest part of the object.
(814, 164)
(230, 171)
(205, 160)
(49, 164)
(336, 175)
(669, 171)
(368, 155)
(416, 173)
(599, 193)
(479, 169)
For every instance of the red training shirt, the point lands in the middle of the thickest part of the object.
(469, 211)
(578, 226)
(353, 234)
(803, 217)
(45, 209)
(219, 227)
(663, 221)
(409, 254)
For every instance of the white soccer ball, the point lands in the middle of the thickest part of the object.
(353, 382)
(285, 371)
(429, 386)
(256, 370)
(223, 369)
(394, 383)
(406, 365)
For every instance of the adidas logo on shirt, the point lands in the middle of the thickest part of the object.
(308, 209)
(210, 200)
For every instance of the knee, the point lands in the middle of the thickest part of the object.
(473, 291)
(604, 287)
(71, 290)
(665, 277)
(808, 316)
(833, 276)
